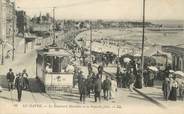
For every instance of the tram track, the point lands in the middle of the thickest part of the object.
(43, 94)
(32, 94)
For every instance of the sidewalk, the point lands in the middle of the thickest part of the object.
(156, 94)
(21, 61)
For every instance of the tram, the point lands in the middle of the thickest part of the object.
(52, 69)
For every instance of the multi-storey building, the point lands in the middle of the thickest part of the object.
(10, 20)
(7, 23)
(7, 20)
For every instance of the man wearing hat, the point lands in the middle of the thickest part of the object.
(10, 77)
(82, 87)
(107, 88)
(97, 88)
(19, 82)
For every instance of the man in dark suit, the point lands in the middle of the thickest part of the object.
(107, 88)
(10, 77)
(19, 83)
(82, 89)
(98, 87)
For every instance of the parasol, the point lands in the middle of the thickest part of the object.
(126, 60)
(171, 71)
(153, 68)
(180, 74)
(137, 55)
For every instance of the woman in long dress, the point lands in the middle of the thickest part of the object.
(166, 88)
(174, 87)
(113, 88)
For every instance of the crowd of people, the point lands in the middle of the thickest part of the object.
(20, 82)
(172, 88)
(94, 83)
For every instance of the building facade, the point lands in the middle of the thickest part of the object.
(8, 20)
(7, 26)
(177, 53)
(21, 21)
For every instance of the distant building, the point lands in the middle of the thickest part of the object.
(41, 27)
(42, 23)
(21, 21)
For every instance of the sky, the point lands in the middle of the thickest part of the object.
(105, 9)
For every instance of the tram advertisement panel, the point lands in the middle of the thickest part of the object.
(59, 80)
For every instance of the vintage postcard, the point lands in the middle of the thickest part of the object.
(91, 56)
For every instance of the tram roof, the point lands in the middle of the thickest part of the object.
(52, 52)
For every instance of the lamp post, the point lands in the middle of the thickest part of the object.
(53, 22)
(143, 31)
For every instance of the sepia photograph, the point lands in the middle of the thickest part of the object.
(91, 56)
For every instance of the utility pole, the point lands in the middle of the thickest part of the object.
(2, 56)
(1, 31)
(91, 42)
(13, 28)
(143, 31)
(118, 54)
(54, 36)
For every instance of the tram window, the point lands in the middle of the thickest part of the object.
(64, 63)
(48, 60)
(48, 63)
(39, 59)
(56, 64)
